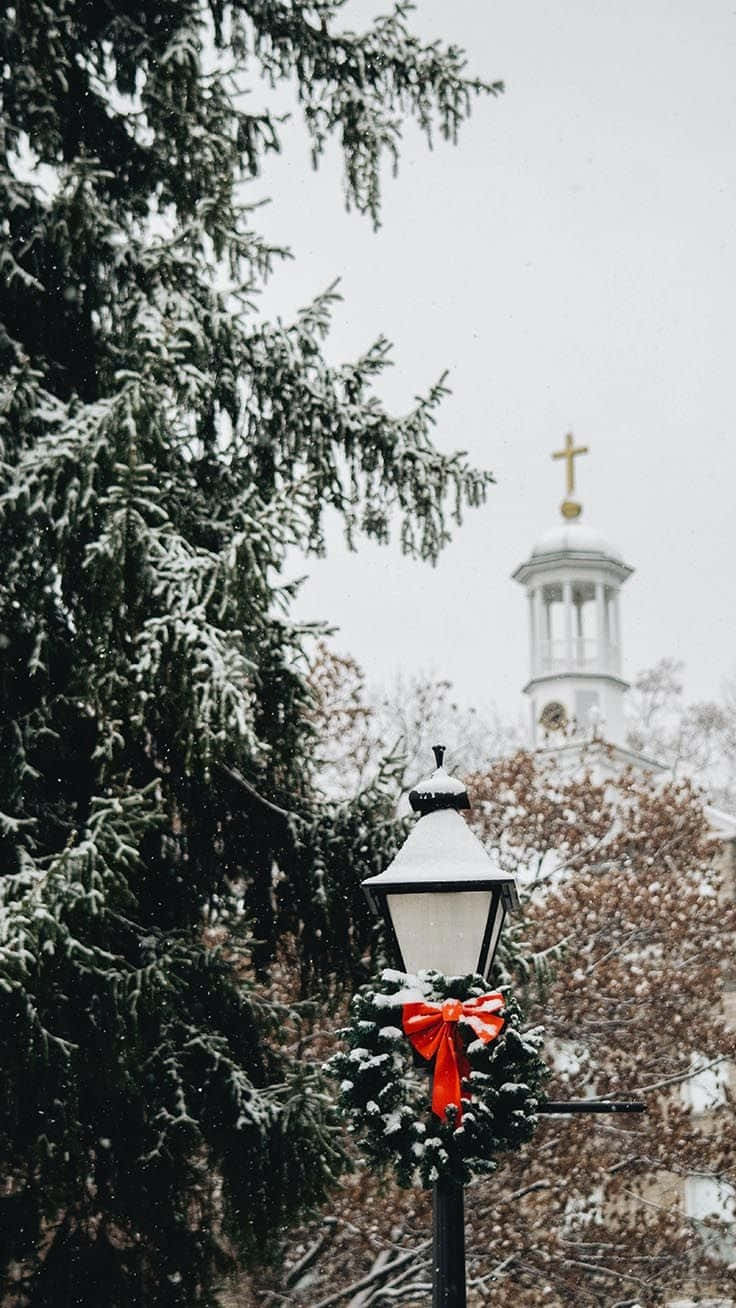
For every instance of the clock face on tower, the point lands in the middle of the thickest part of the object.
(553, 716)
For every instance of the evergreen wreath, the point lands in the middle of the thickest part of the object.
(385, 1091)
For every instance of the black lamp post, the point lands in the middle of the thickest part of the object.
(444, 901)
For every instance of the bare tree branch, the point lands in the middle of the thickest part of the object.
(377, 1273)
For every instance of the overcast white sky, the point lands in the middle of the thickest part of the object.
(573, 263)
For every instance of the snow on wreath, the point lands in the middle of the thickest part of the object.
(438, 1076)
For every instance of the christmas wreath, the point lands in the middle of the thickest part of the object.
(486, 1075)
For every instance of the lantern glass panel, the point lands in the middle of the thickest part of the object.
(496, 928)
(443, 930)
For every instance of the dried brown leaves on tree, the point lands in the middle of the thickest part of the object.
(696, 739)
(343, 721)
(361, 728)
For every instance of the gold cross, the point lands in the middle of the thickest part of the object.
(569, 452)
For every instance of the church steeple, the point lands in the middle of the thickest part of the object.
(572, 578)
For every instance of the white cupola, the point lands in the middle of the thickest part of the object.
(572, 578)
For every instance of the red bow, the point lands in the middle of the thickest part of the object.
(432, 1029)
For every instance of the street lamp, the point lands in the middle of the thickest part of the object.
(443, 900)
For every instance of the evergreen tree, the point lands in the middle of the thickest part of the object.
(162, 447)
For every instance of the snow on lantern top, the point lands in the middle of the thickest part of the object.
(441, 848)
(443, 897)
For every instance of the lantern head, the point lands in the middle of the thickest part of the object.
(443, 899)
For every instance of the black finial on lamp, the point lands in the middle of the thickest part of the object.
(438, 792)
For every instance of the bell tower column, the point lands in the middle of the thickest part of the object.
(603, 656)
(540, 630)
(567, 610)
